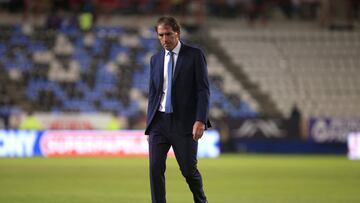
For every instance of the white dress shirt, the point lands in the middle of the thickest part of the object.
(175, 51)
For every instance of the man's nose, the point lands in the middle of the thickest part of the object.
(166, 37)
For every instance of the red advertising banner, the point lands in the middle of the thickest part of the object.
(81, 143)
(94, 143)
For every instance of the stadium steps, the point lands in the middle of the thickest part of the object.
(267, 107)
(14, 90)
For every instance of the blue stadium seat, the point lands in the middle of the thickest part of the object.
(99, 88)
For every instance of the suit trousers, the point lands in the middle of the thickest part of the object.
(162, 136)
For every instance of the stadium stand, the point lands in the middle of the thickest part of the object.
(106, 69)
(256, 68)
(227, 94)
(68, 70)
(297, 63)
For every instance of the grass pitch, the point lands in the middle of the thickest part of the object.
(228, 179)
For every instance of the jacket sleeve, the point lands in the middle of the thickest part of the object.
(151, 91)
(202, 88)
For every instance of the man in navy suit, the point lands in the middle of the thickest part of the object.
(178, 109)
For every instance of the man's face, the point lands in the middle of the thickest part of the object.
(167, 37)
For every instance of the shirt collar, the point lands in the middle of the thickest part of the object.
(176, 50)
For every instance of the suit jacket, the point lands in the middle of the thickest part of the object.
(190, 89)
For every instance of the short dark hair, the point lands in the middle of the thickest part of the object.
(169, 21)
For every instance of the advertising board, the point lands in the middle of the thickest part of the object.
(353, 143)
(323, 130)
(69, 143)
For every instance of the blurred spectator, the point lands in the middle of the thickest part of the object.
(15, 118)
(9, 113)
(31, 122)
(287, 7)
(177, 7)
(2, 123)
(324, 13)
(220, 122)
(108, 6)
(355, 9)
(114, 123)
(225, 8)
(138, 121)
(5, 107)
(309, 9)
(13, 5)
(294, 122)
(193, 14)
(327, 10)
(258, 9)
(54, 20)
(75, 5)
(86, 18)
(338, 15)
(4, 118)
(352, 12)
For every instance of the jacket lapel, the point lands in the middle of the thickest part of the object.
(179, 62)
(161, 70)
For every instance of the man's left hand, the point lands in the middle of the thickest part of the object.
(198, 130)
